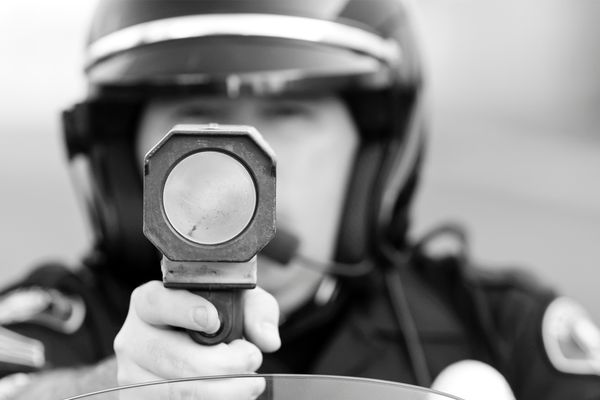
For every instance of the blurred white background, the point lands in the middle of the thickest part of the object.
(514, 153)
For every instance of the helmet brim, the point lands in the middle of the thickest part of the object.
(257, 65)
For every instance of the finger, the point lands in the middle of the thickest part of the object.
(172, 354)
(157, 305)
(261, 319)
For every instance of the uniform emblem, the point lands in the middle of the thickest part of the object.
(571, 338)
(42, 306)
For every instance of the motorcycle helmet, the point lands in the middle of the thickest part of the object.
(363, 50)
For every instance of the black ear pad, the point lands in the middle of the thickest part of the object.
(370, 112)
(398, 229)
(103, 132)
(353, 240)
(383, 118)
(76, 134)
(120, 202)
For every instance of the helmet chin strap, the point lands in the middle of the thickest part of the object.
(283, 249)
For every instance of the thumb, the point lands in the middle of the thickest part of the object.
(261, 318)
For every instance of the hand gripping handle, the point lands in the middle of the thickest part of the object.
(229, 306)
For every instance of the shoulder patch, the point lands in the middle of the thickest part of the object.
(571, 338)
(42, 306)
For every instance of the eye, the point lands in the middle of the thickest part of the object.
(286, 109)
(198, 113)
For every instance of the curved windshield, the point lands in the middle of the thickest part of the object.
(269, 387)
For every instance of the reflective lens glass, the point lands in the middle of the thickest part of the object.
(209, 197)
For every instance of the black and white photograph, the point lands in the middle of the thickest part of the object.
(300, 199)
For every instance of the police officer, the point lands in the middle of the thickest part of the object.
(335, 88)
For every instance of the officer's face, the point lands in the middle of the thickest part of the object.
(314, 139)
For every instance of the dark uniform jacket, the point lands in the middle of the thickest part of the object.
(402, 325)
